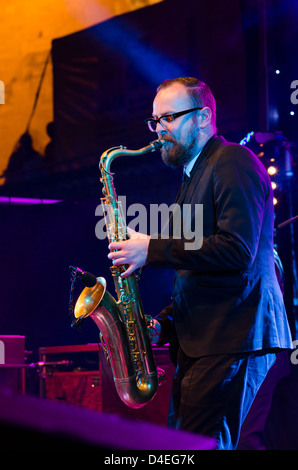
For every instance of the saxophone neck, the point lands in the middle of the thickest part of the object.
(109, 155)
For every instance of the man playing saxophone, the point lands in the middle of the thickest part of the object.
(227, 320)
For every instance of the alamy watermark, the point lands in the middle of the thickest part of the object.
(160, 221)
(294, 354)
(294, 94)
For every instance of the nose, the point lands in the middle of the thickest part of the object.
(159, 128)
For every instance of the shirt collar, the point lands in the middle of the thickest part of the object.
(189, 166)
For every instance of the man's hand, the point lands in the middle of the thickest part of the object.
(132, 252)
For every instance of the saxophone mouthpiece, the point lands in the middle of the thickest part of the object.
(158, 144)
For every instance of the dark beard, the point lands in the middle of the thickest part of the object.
(176, 154)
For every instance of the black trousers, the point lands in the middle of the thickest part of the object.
(211, 395)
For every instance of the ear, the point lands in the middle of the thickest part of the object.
(206, 117)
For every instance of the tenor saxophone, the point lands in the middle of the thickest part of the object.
(124, 329)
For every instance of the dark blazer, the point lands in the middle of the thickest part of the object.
(226, 297)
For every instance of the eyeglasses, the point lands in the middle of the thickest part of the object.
(166, 119)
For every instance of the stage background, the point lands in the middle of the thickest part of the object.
(104, 81)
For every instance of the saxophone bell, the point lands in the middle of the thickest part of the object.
(135, 389)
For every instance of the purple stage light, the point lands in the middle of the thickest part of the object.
(27, 201)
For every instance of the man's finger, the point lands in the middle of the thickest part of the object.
(115, 246)
(119, 262)
(129, 271)
(115, 254)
